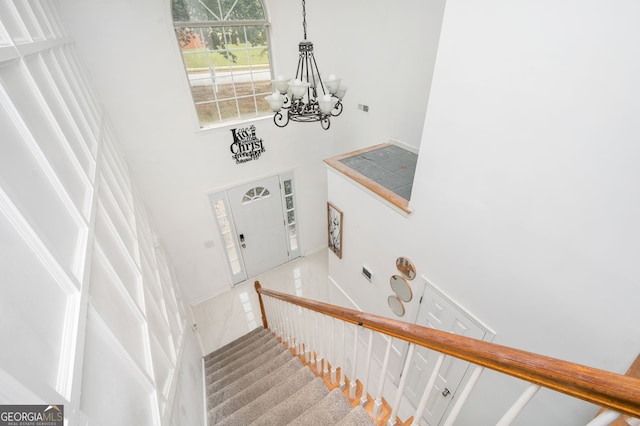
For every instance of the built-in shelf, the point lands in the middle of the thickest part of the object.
(385, 169)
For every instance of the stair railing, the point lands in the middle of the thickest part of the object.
(294, 320)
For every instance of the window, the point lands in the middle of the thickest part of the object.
(225, 49)
(255, 194)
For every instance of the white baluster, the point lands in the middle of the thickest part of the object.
(288, 325)
(303, 332)
(333, 351)
(605, 418)
(517, 407)
(325, 346)
(309, 334)
(365, 384)
(377, 406)
(462, 398)
(343, 383)
(314, 328)
(352, 379)
(281, 330)
(292, 326)
(403, 381)
(299, 331)
(427, 391)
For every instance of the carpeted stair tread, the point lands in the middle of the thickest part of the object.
(220, 370)
(256, 380)
(258, 388)
(278, 393)
(357, 417)
(327, 412)
(232, 353)
(237, 342)
(294, 406)
(217, 396)
(246, 368)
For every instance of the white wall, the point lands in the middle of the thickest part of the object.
(133, 58)
(92, 317)
(524, 201)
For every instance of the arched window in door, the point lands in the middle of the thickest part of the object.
(226, 53)
(255, 194)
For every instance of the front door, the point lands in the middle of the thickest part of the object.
(440, 312)
(259, 224)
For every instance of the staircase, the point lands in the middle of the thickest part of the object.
(255, 380)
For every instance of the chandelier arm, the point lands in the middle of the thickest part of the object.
(337, 110)
(280, 119)
(315, 65)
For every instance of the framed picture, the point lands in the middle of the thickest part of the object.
(334, 217)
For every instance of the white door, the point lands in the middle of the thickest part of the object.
(440, 312)
(259, 224)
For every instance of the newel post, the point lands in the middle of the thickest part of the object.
(264, 314)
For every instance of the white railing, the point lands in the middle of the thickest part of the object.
(303, 325)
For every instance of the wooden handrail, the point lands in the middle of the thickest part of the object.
(603, 388)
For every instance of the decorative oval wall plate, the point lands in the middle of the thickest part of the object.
(401, 288)
(396, 305)
(406, 268)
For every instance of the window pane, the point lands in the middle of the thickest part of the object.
(289, 202)
(291, 217)
(225, 63)
(287, 187)
(208, 113)
(217, 10)
(228, 239)
(224, 224)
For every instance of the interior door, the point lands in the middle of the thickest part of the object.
(440, 312)
(259, 223)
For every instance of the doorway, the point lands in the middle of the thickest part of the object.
(439, 311)
(257, 222)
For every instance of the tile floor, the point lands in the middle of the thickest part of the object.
(391, 166)
(232, 314)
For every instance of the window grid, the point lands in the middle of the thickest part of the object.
(291, 215)
(225, 230)
(227, 59)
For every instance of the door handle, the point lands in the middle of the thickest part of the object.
(446, 392)
(242, 243)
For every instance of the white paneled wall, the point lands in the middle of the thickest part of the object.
(91, 315)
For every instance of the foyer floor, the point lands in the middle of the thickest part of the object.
(232, 314)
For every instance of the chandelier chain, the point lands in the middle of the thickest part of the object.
(304, 19)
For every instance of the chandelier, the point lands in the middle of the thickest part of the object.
(299, 98)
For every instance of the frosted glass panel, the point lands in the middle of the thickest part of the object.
(119, 315)
(26, 100)
(33, 308)
(28, 187)
(59, 109)
(117, 257)
(109, 389)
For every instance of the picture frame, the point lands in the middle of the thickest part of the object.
(334, 229)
